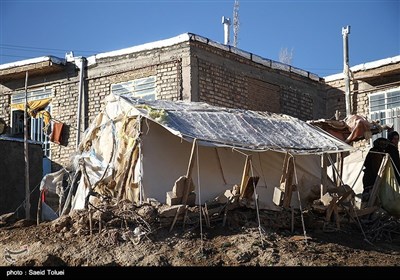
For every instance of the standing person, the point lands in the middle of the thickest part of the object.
(374, 158)
(393, 137)
(393, 151)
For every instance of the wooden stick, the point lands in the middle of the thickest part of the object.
(284, 169)
(175, 218)
(245, 176)
(90, 220)
(39, 208)
(186, 191)
(99, 223)
(324, 175)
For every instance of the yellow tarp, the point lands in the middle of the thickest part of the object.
(389, 191)
(36, 109)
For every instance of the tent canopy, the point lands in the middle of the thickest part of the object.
(244, 129)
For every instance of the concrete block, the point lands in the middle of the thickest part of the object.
(172, 199)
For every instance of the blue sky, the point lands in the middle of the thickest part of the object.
(312, 29)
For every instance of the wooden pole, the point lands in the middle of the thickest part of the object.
(324, 175)
(26, 153)
(188, 178)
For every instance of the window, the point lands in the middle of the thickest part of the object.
(36, 126)
(385, 108)
(144, 88)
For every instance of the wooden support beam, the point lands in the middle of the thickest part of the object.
(188, 181)
(178, 210)
(245, 176)
(339, 157)
(284, 168)
(324, 175)
(287, 184)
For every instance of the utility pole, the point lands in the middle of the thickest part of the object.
(26, 153)
(346, 69)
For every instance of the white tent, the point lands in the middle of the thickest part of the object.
(137, 149)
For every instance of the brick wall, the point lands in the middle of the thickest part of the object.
(169, 80)
(336, 98)
(64, 109)
(221, 87)
(229, 80)
(296, 103)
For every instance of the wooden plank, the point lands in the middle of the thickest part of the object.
(284, 169)
(287, 185)
(339, 157)
(175, 218)
(287, 198)
(245, 176)
(189, 173)
(191, 160)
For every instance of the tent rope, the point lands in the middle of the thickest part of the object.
(260, 229)
(298, 197)
(199, 186)
(334, 167)
(23, 201)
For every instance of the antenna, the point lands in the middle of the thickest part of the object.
(236, 23)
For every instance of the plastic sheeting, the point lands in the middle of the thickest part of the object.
(389, 191)
(253, 130)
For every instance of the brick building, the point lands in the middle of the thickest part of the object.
(186, 67)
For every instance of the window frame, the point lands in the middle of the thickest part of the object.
(36, 125)
(143, 88)
(390, 110)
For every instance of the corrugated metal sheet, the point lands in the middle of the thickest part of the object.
(239, 128)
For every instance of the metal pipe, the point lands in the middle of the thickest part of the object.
(226, 22)
(346, 70)
(81, 66)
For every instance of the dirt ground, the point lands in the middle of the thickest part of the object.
(140, 236)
